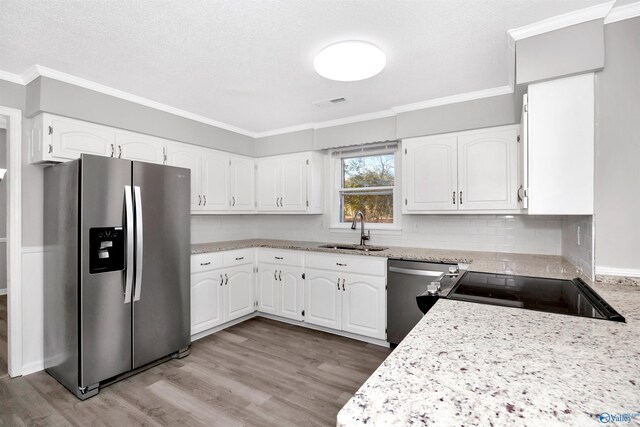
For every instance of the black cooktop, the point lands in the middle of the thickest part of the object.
(573, 297)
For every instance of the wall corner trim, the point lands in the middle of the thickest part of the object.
(598, 11)
(620, 13)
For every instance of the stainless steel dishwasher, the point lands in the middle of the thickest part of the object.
(405, 281)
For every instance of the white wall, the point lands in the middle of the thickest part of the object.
(3, 214)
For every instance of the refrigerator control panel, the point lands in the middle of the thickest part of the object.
(107, 247)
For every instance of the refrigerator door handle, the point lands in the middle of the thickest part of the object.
(139, 243)
(128, 209)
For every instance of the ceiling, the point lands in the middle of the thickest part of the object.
(248, 63)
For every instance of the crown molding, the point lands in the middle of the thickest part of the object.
(628, 11)
(598, 11)
(10, 77)
(454, 99)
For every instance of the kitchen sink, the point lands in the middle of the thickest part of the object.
(361, 248)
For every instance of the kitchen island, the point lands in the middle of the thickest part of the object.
(476, 364)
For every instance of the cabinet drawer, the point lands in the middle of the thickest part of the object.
(239, 257)
(281, 257)
(206, 262)
(373, 266)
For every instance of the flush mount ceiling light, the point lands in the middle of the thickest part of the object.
(350, 61)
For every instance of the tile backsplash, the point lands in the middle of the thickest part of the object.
(499, 233)
(577, 242)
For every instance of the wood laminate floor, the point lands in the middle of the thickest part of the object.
(259, 373)
(3, 336)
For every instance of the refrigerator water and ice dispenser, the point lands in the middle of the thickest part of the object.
(107, 249)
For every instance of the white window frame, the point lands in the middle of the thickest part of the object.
(336, 187)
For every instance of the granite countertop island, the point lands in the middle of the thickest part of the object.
(476, 364)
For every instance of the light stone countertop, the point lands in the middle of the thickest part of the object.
(488, 262)
(475, 364)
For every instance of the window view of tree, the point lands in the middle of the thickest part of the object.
(367, 186)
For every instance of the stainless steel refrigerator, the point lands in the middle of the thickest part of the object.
(116, 269)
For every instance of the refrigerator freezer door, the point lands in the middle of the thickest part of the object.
(161, 307)
(105, 317)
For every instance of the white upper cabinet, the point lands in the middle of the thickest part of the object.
(488, 169)
(214, 181)
(430, 179)
(471, 171)
(136, 146)
(188, 157)
(290, 183)
(241, 183)
(560, 122)
(58, 139)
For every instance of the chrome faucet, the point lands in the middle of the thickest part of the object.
(363, 237)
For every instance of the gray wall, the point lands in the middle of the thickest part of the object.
(479, 113)
(617, 198)
(292, 142)
(53, 96)
(571, 50)
(355, 133)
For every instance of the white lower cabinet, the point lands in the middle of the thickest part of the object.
(323, 298)
(267, 288)
(239, 291)
(206, 300)
(280, 289)
(222, 288)
(350, 295)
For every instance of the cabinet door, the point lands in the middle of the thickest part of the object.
(70, 138)
(294, 183)
(364, 305)
(143, 148)
(184, 156)
(268, 288)
(488, 169)
(268, 184)
(323, 298)
(214, 181)
(430, 176)
(291, 287)
(206, 300)
(242, 184)
(239, 291)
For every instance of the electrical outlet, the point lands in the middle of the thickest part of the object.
(579, 242)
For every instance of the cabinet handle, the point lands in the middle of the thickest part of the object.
(520, 198)
(221, 280)
(205, 200)
(275, 274)
(233, 201)
(205, 263)
(343, 284)
(340, 264)
(226, 279)
(454, 198)
(119, 151)
(279, 257)
(461, 197)
(199, 200)
(281, 203)
(280, 275)
(240, 258)
(338, 283)
(113, 150)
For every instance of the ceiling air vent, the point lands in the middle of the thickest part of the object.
(330, 102)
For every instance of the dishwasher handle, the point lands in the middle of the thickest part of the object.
(413, 272)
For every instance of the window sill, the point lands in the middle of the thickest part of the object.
(345, 228)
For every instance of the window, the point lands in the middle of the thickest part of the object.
(367, 181)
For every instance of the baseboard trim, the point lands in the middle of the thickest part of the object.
(33, 367)
(613, 271)
(202, 334)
